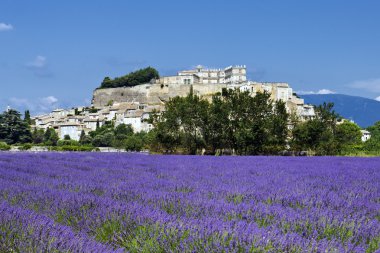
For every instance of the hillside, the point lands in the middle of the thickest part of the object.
(365, 112)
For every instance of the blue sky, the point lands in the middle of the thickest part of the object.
(54, 53)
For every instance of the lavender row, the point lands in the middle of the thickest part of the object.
(177, 203)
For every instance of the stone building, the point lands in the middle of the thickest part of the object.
(201, 75)
(282, 91)
(133, 105)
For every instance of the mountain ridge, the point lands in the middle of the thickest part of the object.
(363, 111)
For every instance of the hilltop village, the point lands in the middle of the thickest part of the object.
(133, 105)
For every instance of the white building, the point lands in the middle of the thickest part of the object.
(92, 123)
(366, 135)
(200, 75)
(235, 74)
(71, 129)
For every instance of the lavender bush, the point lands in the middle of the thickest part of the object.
(85, 202)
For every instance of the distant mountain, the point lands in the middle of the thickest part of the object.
(364, 111)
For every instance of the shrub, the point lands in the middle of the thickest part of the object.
(67, 143)
(72, 148)
(133, 143)
(4, 146)
(132, 79)
(25, 146)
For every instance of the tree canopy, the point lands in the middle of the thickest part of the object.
(13, 129)
(132, 79)
(233, 122)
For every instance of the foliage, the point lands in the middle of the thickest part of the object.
(324, 136)
(38, 136)
(65, 142)
(121, 136)
(26, 146)
(318, 134)
(83, 148)
(373, 144)
(50, 137)
(132, 79)
(27, 118)
(4, 146)
(134, 143)
(123, 130)
(13, 129)
(233, 121)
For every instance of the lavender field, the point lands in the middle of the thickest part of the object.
(91, 202)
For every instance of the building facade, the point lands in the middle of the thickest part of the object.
(200, 75)
(133, 105)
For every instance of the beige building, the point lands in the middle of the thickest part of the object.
(133, 105)
(282, 91)
(201, 75)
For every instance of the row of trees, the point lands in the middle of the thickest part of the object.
(231, 123)
(235, 122)
(132, 79)
(121, 136)
(323, 135)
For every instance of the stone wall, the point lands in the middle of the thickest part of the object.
(152, 94)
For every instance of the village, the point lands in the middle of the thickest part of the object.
(134, 105)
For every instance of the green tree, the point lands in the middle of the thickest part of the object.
(121, 133)
(373, 144)
(134, 143)
(103, 140)
(82, 136)
(234, 120)
(248, 121)
(66, 137)
(216, 131)
(38, 136)
(27, 118)
(123, 130)
(132, 79)
(51, 137)
(278, 128)
(375, 130)
(238, 127)
(167, 126)
(261, 115)
(86, 140)
(193, 117)
(97, 141)
(348, 133)
(319, 133)
(13, 129)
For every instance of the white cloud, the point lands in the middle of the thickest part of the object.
(320, 92)
(378, 98)
(39, 66)
(372, 85)
(20, 102)
(49, 100)
(325, 91)
(40, 105)
(38, 62)
(5, 27)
